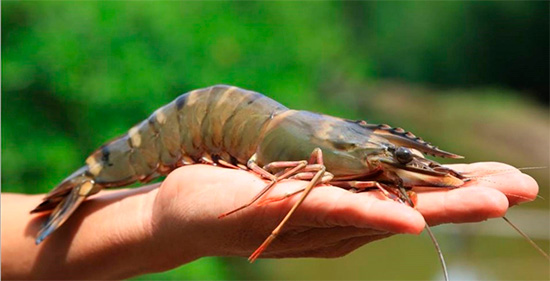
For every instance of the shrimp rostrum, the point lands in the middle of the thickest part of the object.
(236, 128)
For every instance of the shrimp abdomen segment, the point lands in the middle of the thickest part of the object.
(224, 121)
(220, 122)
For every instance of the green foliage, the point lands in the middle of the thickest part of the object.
(75, 74)
(78, 73)
(203, 269)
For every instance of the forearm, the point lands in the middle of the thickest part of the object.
(106, 238)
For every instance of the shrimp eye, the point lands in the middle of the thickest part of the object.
(403, 155)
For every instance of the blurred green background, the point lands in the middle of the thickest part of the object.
(471, 77)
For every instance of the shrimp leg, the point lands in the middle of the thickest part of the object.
(317, 155)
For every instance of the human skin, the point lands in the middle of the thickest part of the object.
(118, 234)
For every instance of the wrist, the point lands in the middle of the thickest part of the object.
(130, 247)
(108, 237)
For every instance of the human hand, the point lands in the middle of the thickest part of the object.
(136, 231)
(493, 188)
(331, 222)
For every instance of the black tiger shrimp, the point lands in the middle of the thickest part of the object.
(237, 128)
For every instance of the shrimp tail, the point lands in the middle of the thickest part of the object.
(64, 200)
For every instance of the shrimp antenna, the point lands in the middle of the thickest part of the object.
(432, 236)
(439, 253)
(527, 238)
(503, 171)
(532, 168)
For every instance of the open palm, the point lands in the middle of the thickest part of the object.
(331, 222)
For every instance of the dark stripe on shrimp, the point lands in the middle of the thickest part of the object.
(181, 101)
(105, 153)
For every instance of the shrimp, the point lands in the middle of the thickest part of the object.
(241, 129)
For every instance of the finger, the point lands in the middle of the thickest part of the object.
(312, 238)
(338, 249)
(464, 204)
(517, 186)
(329, 206)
